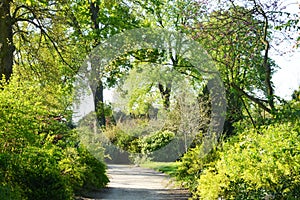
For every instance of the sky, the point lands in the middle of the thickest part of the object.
(287, 78)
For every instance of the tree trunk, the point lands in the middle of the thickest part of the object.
(165, 94)
(99, 105)
(6, 40)
(266, 65)
(98, 94)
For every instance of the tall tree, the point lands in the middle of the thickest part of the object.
(6, 39)
(18, 20)
(239, 37)
(93, 22)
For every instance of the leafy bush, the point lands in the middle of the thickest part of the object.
(37, 173)
(139, 145)
(117, 143)
(120, 137)
(94, 175)
(51, 173)
(40, 157)
(20, 107)
(192, 165)
(151, 145)
(9, 192)
(256, 166)
(7, 189)
(155, 141)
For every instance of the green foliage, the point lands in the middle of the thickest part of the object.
(138, 92)
(256, 166)
(192, 165)
(296, 95)
(155, 141)
(52, 173)
(10, 193)
(150, 145)
(28, 113)
(288, 112)
(90, 135)
(122, 140)
(94, 174)
(37, 173)
(18, 124)
(39, 155)
(136, 142)
(8, 190)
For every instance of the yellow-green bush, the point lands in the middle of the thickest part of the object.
(37, 173)
(256, 166)
(192, 165)
(33, 164)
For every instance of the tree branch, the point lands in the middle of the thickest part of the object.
(41, 28)
(259, 102)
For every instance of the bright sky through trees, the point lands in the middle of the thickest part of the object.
(287, 78)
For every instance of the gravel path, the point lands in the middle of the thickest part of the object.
(136, 183)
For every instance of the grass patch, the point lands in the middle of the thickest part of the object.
(169, 168)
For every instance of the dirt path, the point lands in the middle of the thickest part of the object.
(136, 183)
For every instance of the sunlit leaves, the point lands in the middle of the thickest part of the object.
(27, 108)
(256, 166)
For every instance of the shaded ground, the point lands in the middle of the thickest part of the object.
(136, 183)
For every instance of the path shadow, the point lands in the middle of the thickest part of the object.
(137, 194)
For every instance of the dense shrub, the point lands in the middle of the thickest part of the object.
(155, 141)
(192, 165)
(36, 172)
(137, 145)
(152, 146)
(22, 115)
(51, 173)
(256, 166)
(117, 145)
(40, 156)
(7, 189)
(9, 192)
(94, 175)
